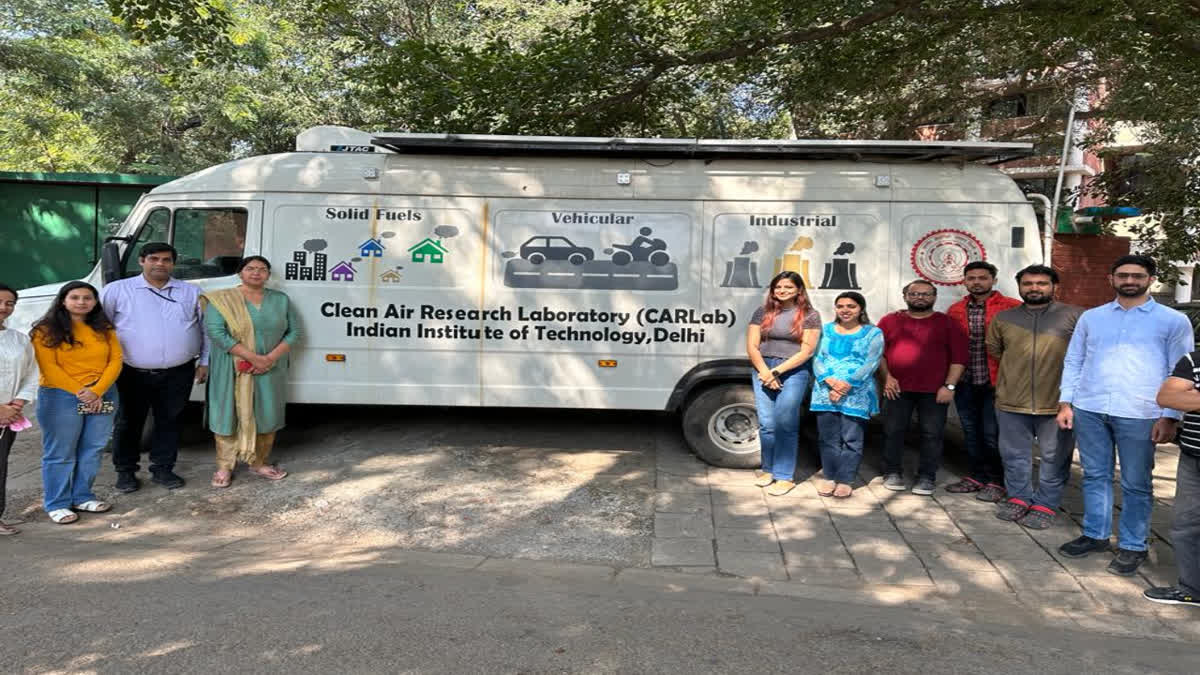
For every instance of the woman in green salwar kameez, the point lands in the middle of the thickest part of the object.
(252, 329)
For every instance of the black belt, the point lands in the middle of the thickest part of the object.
(156, 371)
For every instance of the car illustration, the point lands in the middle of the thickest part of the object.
(542, 248)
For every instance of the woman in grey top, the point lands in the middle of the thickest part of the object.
(18, 386)
(780, 341)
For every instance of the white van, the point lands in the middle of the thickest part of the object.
(573, 272)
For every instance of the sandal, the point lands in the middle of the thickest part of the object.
(827, 489)
(222, 478)
(763, 479)
(8, 530)
(843, 491)
(780, 488)
(62, 516)
(268, 471)
(93, 506)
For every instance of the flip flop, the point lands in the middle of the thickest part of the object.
(222, 479)
(8, 530)
(93, 506)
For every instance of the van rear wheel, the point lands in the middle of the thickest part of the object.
(721, 426)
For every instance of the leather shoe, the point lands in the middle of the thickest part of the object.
(167, 479)
(127, 482)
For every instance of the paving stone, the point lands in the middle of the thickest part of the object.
(683, 526)
(803, 526)
(881, 545)
(986, 525)
(676, 483)
(1008, 546)
(843, 577)
(803, 490)
(1122, 595)
(904, 505)
(741, 514)
(1070, 601)
(858, 499)
(876, 520)
(730, 476)
(968, 582)
(752, 565)
(953, 558)
(909, 572)
(677, 552)
(816, 553)
(726, 494)
(798, 507)
(682, 502)
(746, 541)
(918, 526)
(1049, 577)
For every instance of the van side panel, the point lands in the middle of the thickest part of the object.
(601, 301)
(380, 284)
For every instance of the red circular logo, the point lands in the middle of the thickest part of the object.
(940, 255)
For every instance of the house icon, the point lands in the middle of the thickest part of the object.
(427, 248)
(342, 272)
(390, 276)
(371, 248)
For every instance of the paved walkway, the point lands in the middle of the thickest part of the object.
(948, 547)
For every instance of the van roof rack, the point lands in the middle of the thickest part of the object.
(701, 148)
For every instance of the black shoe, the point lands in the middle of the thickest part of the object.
(1127, 562)
(167, 479)
(127, 482)
(1078, 548)
(1171, 595)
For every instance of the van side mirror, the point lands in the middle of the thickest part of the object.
(110, 262)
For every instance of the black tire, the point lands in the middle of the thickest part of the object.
(577, 258)
(660, 258)
(536, 258)
(622, 258)
(721, 426)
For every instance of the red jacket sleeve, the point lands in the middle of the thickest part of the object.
(958, 343)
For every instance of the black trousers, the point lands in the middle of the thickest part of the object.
(166, 393)
(6, 442)
(931, 418)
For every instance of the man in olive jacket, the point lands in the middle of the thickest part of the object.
(1030, 342)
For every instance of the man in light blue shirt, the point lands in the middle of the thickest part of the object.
(161, 330)
(1119, 355)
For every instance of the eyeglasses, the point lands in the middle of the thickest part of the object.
(921, 294)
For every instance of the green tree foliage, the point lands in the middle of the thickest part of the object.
(175, 84)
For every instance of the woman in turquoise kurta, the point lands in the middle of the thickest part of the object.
(252, 329)
(844, 393)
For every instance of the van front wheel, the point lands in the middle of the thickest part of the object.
(721, 426)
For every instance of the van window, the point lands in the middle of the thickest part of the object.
(155, 228)
(210, 242)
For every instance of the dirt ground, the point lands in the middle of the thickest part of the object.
(534, 484)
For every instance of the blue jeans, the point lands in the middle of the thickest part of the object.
(779, 413)
(1017, 434)
(1097, 434)
(71, 447)
(842, 438)
(976, 405)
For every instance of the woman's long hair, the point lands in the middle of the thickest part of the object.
(859, 300)
(773, 307)
(55, 326)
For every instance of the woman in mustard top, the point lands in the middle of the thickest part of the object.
(80, 358)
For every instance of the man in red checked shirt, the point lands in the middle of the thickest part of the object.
(924, 355)
(975, 397)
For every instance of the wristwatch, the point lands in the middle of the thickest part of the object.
(775, 373)
(949, 386)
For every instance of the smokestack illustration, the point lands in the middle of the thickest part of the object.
(794, 260)
(840, 273)
(742, 272)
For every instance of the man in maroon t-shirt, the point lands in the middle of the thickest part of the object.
(924, 355)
